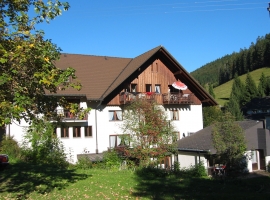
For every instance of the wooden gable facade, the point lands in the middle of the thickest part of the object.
(155, 83)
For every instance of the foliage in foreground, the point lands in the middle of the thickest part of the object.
(27, 69)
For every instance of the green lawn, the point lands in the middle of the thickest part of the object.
(22, 181)
(223, 91)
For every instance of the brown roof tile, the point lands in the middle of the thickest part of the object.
(101, 76)
(96, 73)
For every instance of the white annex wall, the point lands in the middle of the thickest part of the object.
(187, 159)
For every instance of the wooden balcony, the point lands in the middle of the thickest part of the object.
(178, 98)
(167, 98)
(128, 97)
(68, 116)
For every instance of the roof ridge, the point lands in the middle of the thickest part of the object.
(77, 54)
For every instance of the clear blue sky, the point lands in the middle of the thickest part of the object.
(195, 32)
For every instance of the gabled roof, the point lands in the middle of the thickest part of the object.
(201, 141)
(102, 77)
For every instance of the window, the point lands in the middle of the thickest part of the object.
(88, 131)
(174, 114)
(254, 157)
(115, 115)
(157, 89)
(64, 132)
(148, 88)
(190, 133)
(118, 140)
(76, 131)
(133, 87)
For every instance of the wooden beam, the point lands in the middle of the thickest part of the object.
(178, 72)
(206, 100)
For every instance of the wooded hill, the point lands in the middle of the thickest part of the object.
(224, 69)
(222, 92)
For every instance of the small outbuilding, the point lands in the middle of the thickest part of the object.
(199, 146)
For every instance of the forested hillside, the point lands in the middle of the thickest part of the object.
(225, 68)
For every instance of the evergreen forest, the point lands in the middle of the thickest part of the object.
(238, 63)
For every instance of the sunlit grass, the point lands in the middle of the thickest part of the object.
(223, 91)
(23, 181)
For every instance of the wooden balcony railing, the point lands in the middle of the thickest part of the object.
(167, 98)
(127, 97)
(66, 115)
(178, 98)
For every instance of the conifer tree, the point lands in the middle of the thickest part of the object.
(250, 90)
(211, 91)
(233, 107)
(267, 89)
(238, 90)
(262, 86)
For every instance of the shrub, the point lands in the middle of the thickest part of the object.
(111, 159)
(10, 147)
(45, 147)
(176, 166)
(84, 163)
(194, 171)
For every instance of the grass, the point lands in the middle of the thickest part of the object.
(22, 181)
(223, 91)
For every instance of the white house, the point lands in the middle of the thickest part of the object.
(110, 84)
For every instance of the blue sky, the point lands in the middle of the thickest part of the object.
(195, 32)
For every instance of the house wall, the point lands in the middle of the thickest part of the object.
(187, 159)
(190, 120)
(156, 74)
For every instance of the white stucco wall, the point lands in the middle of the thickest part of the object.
(187, 159)
(190, 120)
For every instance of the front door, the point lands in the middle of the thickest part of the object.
(262, 159)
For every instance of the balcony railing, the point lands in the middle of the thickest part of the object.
(128, 97)
(178, 98)
(166, 98)
(67, 115)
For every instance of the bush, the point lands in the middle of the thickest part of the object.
(84, 163)
(10, 147)
(112, 160)
(45, 147)
(193, 171)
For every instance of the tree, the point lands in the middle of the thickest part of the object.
(27, 70)
(229, 141)
(149, 133)
(238, 89)
(251, 89)
(211, 115)
(233, 107)
(262, 87)
(211, 91)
